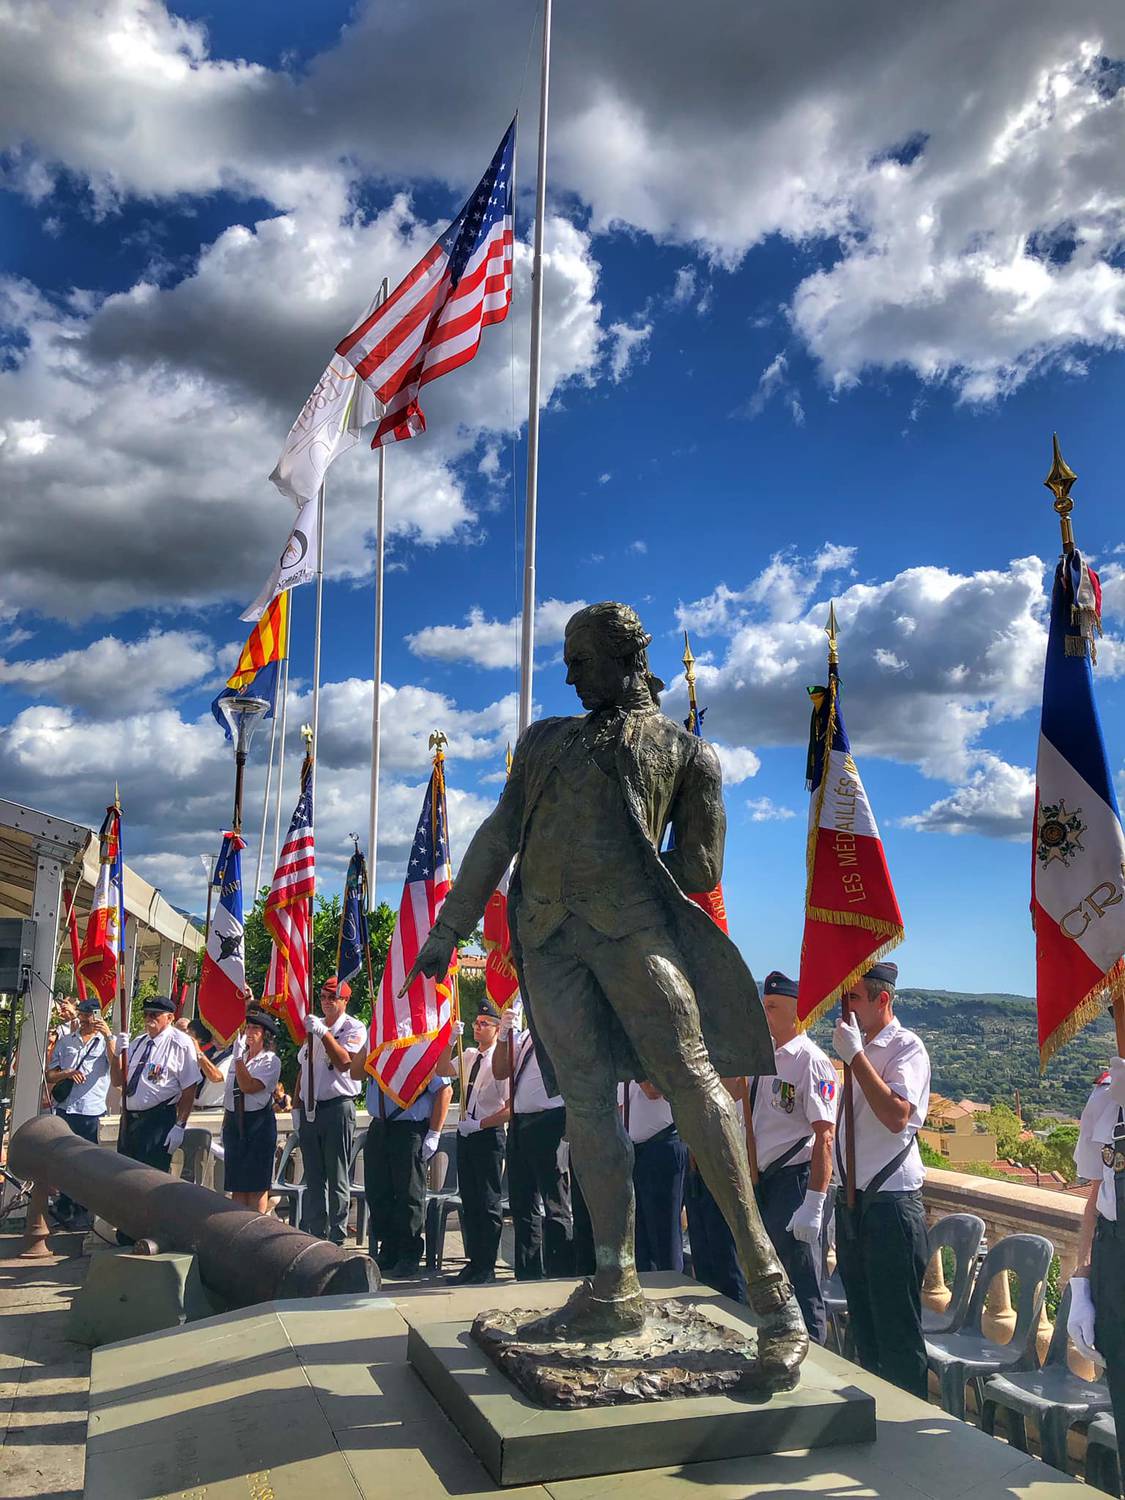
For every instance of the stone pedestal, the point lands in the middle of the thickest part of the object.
(520, 1442)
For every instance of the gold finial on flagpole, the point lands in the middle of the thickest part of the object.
(689, 677)
(830, 632)
(1059, 482)
(438, 742)
(508, 758)
(307, 736)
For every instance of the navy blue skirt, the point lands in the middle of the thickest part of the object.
(248, 1157)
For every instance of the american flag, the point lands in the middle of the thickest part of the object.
(431, 323)
(287, 916)
(407, 1036)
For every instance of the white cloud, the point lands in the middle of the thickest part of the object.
(973, 645)
(974, 244)
(782, 587)
(638, 547)
(110, 676)
(997, 801)
(739, 762)
(605, 478)
(177, 777)
(492, 643)
(629, 343)
(774, 381)
(763, 810)
(169, 407)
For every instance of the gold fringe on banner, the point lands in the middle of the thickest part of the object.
(1108, 989)
(846, 983)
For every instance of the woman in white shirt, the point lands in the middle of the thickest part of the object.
(249, 1124)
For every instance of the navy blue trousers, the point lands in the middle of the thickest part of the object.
(85, 1126)
(779, 1196)
(713, 1258)
(659, 1169)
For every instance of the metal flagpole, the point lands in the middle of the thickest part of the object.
(266, 804)
(377, 683)
(527, 637)
(848, 1100)
(281, 763)
(316, 637)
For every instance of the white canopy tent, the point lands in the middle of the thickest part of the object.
(41, 858)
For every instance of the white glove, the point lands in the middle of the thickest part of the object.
(175, 1138)
(507, 1023)
(805, 1225)
(120, 1041)
(217, 1151)
(847, 1040)
(316, 1025)
(1080, 1323)
(239, 1048)
(468, 1127)
(562, 1156)
(1117, 1081)
(430, 1143)
(458, 1028)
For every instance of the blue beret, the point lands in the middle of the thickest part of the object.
(885, 973)
(778, 983)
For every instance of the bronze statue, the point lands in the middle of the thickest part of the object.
(624, 977)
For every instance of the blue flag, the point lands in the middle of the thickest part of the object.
(353, 920)
(264, 685)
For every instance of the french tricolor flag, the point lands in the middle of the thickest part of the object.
(1078, 850)
(851, 914)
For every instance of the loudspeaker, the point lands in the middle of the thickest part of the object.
(17, 951)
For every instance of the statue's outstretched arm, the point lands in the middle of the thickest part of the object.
(699, 824)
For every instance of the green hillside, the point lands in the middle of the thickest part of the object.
(984, 1047)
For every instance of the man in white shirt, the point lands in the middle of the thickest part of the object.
(325, 1113)
(538, 1191)
(794, 1119)
(214, 1063)
(1097, 1299)
(78, 1068)
(881, 1244)
(158, 1075)
(480, 1152)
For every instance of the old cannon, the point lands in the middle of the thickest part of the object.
(243, 1257)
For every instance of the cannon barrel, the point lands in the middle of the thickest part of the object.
(244, 1257)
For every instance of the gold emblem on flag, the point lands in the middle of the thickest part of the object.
(1060, 833)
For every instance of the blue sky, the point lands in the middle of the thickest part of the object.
(817, 295)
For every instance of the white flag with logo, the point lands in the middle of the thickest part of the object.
(330, 422)
(297, 563)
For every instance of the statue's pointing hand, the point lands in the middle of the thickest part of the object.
(434, 956)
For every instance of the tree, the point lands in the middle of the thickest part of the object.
(326, 941)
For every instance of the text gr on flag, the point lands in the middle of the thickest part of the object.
(432, 322)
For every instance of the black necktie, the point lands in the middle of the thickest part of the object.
(135, 1076)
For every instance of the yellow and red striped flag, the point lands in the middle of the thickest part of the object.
(268, 642)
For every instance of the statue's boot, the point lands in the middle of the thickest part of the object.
(585, 1318)
(783, 1339)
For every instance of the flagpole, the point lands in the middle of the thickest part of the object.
(281, 760)
(527, 637)
(1060, 481)
(316, 637)
(377, 681)
(266, 805)
(845, 1003)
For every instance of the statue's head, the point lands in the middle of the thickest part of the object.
(605, 650)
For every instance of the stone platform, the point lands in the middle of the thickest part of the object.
(306, 1400)
(521, 1442)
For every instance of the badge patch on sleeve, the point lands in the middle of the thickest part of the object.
(826, 1088)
